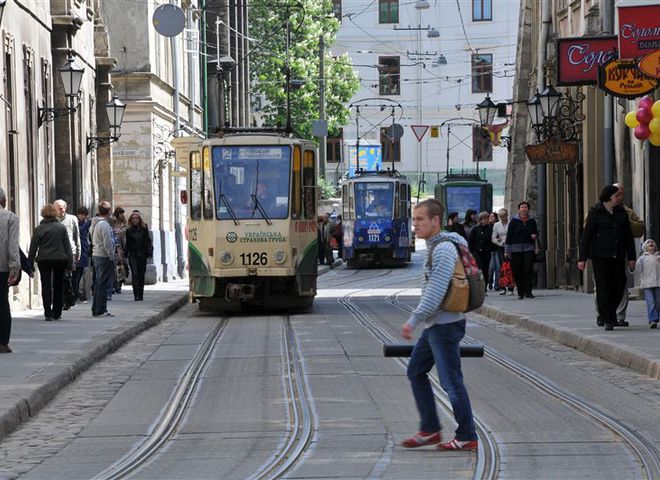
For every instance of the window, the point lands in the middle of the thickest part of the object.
(482, 10)
(336, 9)
(391, 148)
(333, 148)
(482, 148)
(482, 73)
(309, 192)
(207, 184)
(388, 11)
(195, 186)
(388, 76)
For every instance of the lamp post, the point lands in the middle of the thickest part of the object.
(225, 66)
(487, 110)
(71, 74)
(115, 110)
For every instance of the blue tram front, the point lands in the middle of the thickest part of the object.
(376, 218)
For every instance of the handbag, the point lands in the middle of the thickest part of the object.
(506, 275)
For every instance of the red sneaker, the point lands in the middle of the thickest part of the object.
(469, 445)
(421, 439)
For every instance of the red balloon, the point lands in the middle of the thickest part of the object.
(644, 116)
(646, 102)
(642, 132)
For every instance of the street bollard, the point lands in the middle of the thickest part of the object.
(403, 350)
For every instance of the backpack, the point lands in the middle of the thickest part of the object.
(467, 287)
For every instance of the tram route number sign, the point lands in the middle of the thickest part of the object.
(552, 151)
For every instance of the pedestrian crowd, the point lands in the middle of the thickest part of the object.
(78, 258)
(330, 233)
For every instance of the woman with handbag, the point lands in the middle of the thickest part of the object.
(520, 247)
(499, 238)
(138, 249)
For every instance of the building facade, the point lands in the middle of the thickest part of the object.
(426, 64)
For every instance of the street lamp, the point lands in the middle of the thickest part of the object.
(535, 111)
(549, 99)
(555, 115)
(115, 110)
(71, 73)
(487, 110)
(2, 8)
(224, 67)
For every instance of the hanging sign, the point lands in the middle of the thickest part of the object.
(552, 150)
(623, 79)
(639, 29)
(580, 57)
(419, 131)
(650, 64)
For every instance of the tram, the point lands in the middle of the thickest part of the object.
(460, 192)
(251, 201)
(376, 217)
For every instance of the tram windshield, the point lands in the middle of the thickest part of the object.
(373, 200)
(463, 198)
(252, 181)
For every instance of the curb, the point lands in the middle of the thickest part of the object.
(26, 402)
(629, 358)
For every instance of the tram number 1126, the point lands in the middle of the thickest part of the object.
(254, 258)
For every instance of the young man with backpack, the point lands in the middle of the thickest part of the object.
(439, 342)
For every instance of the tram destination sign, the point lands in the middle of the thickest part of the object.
(580, 57)
(552, 150)
(623, 78)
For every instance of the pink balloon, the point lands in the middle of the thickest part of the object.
(644, 116)
(645, 102)
(642, 132)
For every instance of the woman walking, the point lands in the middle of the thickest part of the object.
(51, 248)
(608, 240)
(520, 245)
(480, 243)
(499, 238)
(138, 249)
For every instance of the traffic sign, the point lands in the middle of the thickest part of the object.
(395, 131)
(419, 131)
(435, 131)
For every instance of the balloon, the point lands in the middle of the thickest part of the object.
(631, 119)
(642, 132)
(644, 116)
(646, 102)
(655, 109)
(654, 139)
(654, 126)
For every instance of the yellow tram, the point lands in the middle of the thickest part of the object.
(251, 231)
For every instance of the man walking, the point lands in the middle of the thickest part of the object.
(439, 342)
(103, 259)
(71, 224)
(10, 266)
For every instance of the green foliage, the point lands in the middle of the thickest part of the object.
(308, 19)
(328, 189)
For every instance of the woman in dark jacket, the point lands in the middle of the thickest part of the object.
(51, 247)
(469, 222)
(454, 225)
(520, 246)
(480, 243)
(138, 249)
(607, 240)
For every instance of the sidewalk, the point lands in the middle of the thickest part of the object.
(47, 356)
(569, 318)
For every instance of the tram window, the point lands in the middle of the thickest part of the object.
(308, 184)
(207, 184)
(397, 207)
(351, 202)
(195, 186)
(403, 201)
(344, 206)
(296, 207)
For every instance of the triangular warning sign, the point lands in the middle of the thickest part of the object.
(419, 131)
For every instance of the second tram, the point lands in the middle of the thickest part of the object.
(376, 217)
(460, 192)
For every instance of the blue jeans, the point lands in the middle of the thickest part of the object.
(439, 345)
(652, 297)
(103, 267)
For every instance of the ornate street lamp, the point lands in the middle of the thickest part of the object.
(115, 110)
(487, 110)
(535, 111)
(549, 99)
(71, 73)
(554, 115)
(2, 8)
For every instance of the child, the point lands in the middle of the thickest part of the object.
(648, 266)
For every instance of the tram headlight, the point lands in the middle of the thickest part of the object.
(360, 239)
(279, 256)
(226, 258)
(387, 238)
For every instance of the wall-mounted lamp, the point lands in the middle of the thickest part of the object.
(115, 110)
(71, 73)
(554, 115)
(432, 33)
(487, 110)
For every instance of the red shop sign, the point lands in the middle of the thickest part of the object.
(580, 57)
(639, 29)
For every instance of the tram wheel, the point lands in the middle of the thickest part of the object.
(351, 263)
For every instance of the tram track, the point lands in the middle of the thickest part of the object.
(645, 452)
(488, 456)
(299, 431)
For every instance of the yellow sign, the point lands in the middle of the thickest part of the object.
(650, 64)
(435, 132)
(623, 79)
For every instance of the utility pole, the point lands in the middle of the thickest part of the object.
(322, 138)
(357, 139)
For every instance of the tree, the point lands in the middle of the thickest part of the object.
(307, 20)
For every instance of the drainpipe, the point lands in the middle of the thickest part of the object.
(541, 169)
(608, 107)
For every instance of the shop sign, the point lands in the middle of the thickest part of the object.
(580, 57)
(552, 150)
(650, 64)
(639, 30)
(623, 79)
